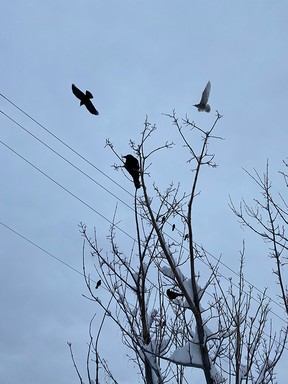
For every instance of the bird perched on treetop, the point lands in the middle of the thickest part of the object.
(203, 106)
(132, 166)
(172, 294)
(85, 99)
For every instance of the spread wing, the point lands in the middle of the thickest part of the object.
(91, 108)
(79, 94)
(89, 95)
(205, 94)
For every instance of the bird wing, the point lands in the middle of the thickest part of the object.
(205, 94)
(132, 162)
(91, 108)
(135, 175)
(79, 94)
(89, 95)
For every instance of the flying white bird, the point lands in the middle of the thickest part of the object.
(203, 106)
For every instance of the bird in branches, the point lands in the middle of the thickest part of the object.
(98, 284)
(85, 99)
(172, 294)
(203, 105)
(132, 166)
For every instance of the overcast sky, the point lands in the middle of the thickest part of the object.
(137, 58)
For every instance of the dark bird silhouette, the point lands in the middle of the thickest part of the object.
(186, 237)
(172, 294)
(203, 106)
(98, 284)
(85, 99)
(132, 166)
(173, 227)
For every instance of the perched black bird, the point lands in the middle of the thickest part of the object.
(132, 166)
(173, 227)
(186, 237)
(203, 106)
(98, 284)
(172, 294)
(85, 99)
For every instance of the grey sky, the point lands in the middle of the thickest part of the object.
(136, 58)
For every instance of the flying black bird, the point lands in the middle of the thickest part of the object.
(85, 99)
(203, 106)
(98, 284)
(132, 166)
(172, 294)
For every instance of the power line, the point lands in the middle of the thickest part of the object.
(65, 144)
(82, 201)
(66, 160)
(65, 189)
(41, 248)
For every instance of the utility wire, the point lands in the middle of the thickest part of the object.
(82, 157)
(41, 248)
(65, 159)
(65, 189)
(65, 144)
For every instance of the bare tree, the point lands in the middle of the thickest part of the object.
(176, 312)
(268, 219)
